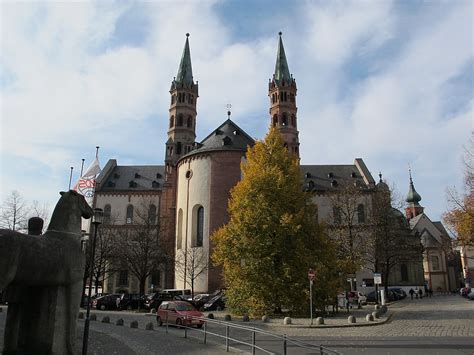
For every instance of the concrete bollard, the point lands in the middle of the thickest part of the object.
(227, 318)
(80, 315)
(287, 320)
(149, 326)
(210, 316)
(119, 322)
(376, 315)
(246, 318)
(265, 319)
(351, 319)
(320, 320)
(134, 324)
(369, 318)
(106, 319)
(93, 317)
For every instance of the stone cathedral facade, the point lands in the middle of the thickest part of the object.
(190, 191)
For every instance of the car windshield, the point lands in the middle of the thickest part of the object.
(185, 307)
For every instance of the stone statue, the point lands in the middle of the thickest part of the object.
(44, 278)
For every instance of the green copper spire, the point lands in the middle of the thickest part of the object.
(281, 67)
(412, 196)
(185, 71)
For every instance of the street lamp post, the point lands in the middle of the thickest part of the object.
(96, 221)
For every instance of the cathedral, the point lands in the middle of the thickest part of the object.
(189, 193)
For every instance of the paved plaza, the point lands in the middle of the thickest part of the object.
(441, 325)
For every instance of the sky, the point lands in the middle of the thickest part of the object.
(387, 81)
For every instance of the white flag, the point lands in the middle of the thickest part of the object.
(86, 184)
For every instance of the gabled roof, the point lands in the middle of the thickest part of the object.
(228, 136)
(131, 178)
(422, 223)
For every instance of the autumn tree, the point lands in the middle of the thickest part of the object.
(272, 238)
(190, 263)
(138, 246)
(460, 216)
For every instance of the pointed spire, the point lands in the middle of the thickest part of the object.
(185, 71)
(282, 72)
(412, 196)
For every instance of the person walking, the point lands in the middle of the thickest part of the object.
(411, 292)
(420, 292)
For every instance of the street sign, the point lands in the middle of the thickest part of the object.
(311, 274)
(377, 278)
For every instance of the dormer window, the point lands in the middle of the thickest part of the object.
(132, 184)
(353, 175)
(116, 176)
(307, 175)
(236, 133)
(310, 185)
(155, 184)
(137, 176)
(159, 176)
(110, 184)
(226, 141)
(218, 132)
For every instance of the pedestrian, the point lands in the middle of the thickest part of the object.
(420, 292)
(430, 292)
(411, 292)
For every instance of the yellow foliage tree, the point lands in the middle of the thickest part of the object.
(272, 238)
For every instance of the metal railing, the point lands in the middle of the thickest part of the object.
(285, 340)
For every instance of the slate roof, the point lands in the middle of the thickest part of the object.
(327, 177)
(228, 136)
(131, 178)
(282, 72)
(185, 71)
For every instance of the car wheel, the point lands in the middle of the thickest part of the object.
(159, 321)
(102, 307)
(179, 323)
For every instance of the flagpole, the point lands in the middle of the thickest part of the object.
(82, 166)
(70, 178)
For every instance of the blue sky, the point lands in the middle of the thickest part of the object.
(391, 82)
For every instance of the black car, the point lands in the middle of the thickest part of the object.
(216, 303)
(131, 301)
(391, 296)
(153, 301)
(399, 292)
(106, 302)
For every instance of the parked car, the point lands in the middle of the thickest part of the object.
(153, 301)
(201, 299)
(216, 303)
(131, 301)
(390, 296)
(106, 302)
(399, 292)
(356, 297)
(465, 291)
(177, 312)
(471, 294)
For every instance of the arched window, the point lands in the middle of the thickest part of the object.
(284, 119)
(129, 219)
(404, 272)
(152, 214)
(275, 120)
(200, 227)
(180, 120)
(107, 213)
(179, 238)
(293, 120)
(361, 213)
(171, 121)
(336, 211)
(189, 122)
(178, 148)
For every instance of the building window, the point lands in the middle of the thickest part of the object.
(179, 239)
(275, 120)
(178, 148)
(152, 214)
(200, 227)
(107, 212)
(336, 211)
(180, 120)
(171, 121)
(129, 219)
(123, 278)
(361, 213)
(155, 279)
(189, 121)
(404, 272)
(435, 263)
(293, 120)
(284, 119)
(173, 99)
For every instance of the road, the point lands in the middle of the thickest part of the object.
(440, 325)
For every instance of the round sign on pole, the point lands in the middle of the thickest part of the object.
(311, 274)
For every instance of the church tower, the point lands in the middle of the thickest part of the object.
(282, 94)
(182, 112)
(413, 208)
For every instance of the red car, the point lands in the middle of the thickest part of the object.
(179, 313)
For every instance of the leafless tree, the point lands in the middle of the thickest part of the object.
(190, 264)
(15, 212)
